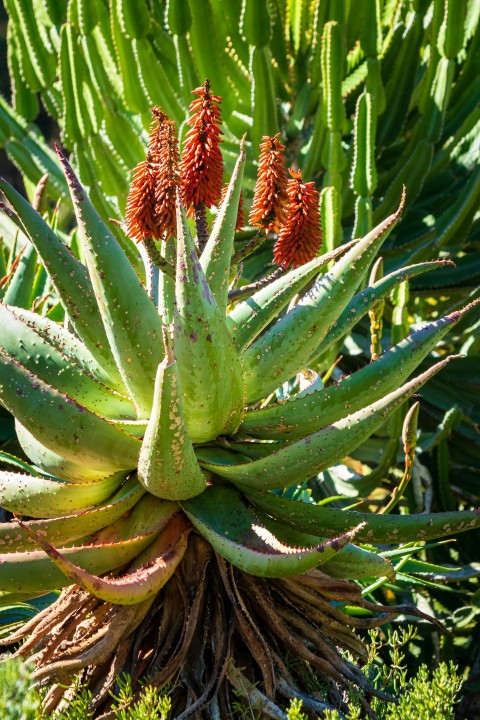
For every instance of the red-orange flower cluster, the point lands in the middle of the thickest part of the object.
(140, 211)
(150, 211)
(300, 237)
(201, 167)
(270, 195)
(167, 180)
(240, 221)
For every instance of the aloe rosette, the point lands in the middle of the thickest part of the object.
(155, 440)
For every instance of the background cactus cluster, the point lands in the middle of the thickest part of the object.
(259, 369)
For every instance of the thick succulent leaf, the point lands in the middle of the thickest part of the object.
(36, 354)
(300, 460)
(146, 575)
(132, 427)
(357, 563)
(167, 466)
(62, 424)
(63, 341)
(20, 286)
(34, 572)
(70, 279)
(367, 298)
(52, 463)
(208, 365)
(40, 497)
(285, 348)
(351, 563)
(110, 548)
(166, 285)
(12, 461)
(148, 515)
(216, 257)
(63, 530)
(215, 455)
(388, 529)
(132, 324)
(238, 533)
(302, 414)
(251, 449)
(248, 318)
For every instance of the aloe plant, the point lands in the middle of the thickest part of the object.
(366, 99)
(157, 445)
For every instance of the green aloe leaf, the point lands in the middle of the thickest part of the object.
(132, 324)
(357, 563)
(208, 365)
(40, 497)
(63, 530)
(70, 279)
(216, 257)
(350, 563)
(305, 413)
(148, 573)
(389, 529)
(52, 366)
(238, 533)
(167, 465)
(112, 547)
(20, 286)
(53, 463)
(64, 342)
(286, 347)
(367, 298)
(248, 318)
(34, 573)
(72, 430)
(300, 460)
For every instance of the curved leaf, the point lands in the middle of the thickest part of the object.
(305, 413)
(62, 424)
(285, 348)
(389, 529)
(44, 498)
(167, 466)
(145, 577)
(239, 533)
(66, 529)
(132, 324)
(300, 460)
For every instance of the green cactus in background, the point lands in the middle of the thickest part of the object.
(392, 84)
(159, 444)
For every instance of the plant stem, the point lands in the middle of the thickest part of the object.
(247, 290)
(249, 248)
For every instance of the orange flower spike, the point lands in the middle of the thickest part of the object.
(270, 195)
(300, 238)
(167, 180)
(140, 214)
(156, 129)
(201, 167)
